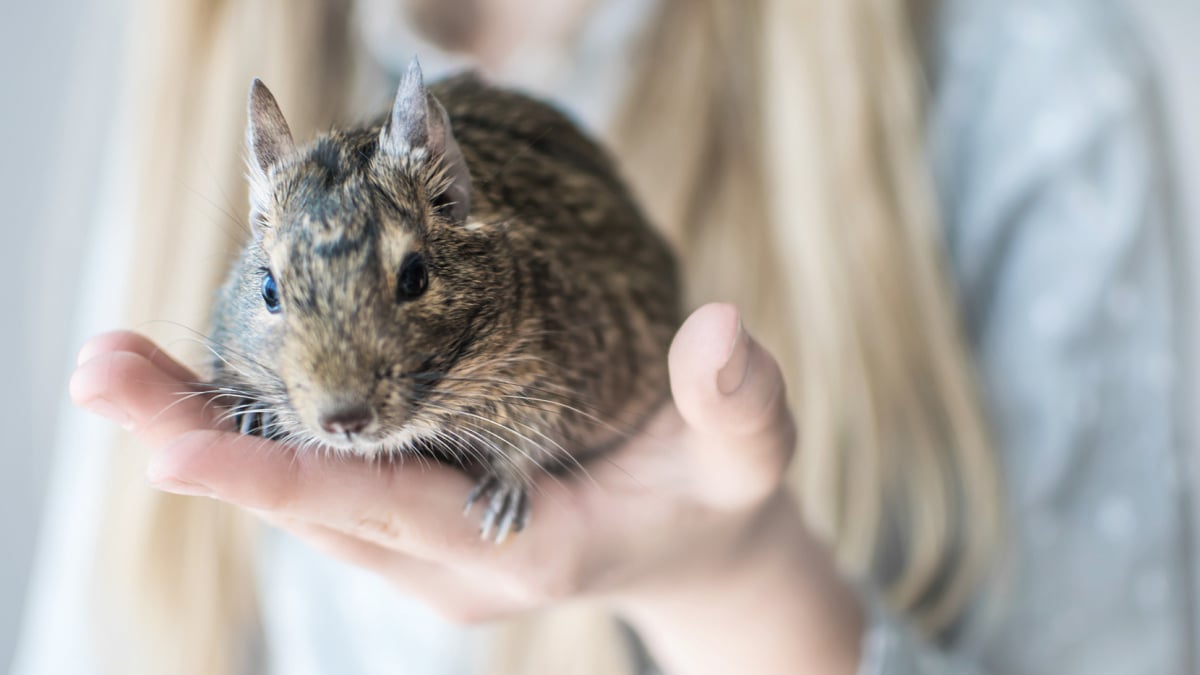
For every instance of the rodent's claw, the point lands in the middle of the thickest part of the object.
(247, 422)
(267, 426)
(507, 509)
(251, 421)
(514, 515)
(484, 486)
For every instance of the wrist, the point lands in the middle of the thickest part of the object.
(775, 603)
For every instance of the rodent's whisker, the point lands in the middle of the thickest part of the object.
(517, 448)
(182, 398)
(628, 432)
(625, 433)
(451, 445)
(232, 413)
(530, 483)
(475, 431)
(503, 385)
(494, 423)
(226, 210)
(578, 467)
(238, 396)
(465, 376)
(208, 343)
(469, 449)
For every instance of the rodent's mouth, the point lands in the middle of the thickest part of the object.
(368, 443)
(356, 443)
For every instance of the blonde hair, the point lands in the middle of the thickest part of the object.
(778, 142)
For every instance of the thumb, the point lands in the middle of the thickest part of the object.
(731, 393)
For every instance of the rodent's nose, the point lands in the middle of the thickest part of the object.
(349, 420)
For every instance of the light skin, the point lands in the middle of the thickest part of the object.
(688, 531)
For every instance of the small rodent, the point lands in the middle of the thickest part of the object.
(467, 279)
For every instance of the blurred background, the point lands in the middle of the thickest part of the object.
(59, 67)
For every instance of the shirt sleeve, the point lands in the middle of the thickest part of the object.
(1049, 165)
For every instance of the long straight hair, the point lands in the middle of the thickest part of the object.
(778, 143)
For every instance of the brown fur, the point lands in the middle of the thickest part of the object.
(542, 338)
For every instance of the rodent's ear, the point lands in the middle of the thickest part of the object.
(419, 122)
(268, 139)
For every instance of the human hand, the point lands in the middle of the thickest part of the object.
(680, 507)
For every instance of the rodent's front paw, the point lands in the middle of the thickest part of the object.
(507, 507)
(251, 418)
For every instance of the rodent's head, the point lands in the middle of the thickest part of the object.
(365, 283)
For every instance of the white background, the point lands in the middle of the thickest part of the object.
(58, 61)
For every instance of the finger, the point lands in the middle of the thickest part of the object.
(458, 596)
(129, 389)
(731, 392)
(333, 543)
(410, 507)
(134, 343)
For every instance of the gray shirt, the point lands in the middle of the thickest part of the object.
(1050, 171)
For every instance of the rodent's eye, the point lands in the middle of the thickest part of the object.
(413, 278)
(270, 292)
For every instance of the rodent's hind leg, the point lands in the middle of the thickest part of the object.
(507, 507)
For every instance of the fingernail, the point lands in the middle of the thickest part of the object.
(85, 353)
(108, 409)
(180, 487)
(733, 373)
